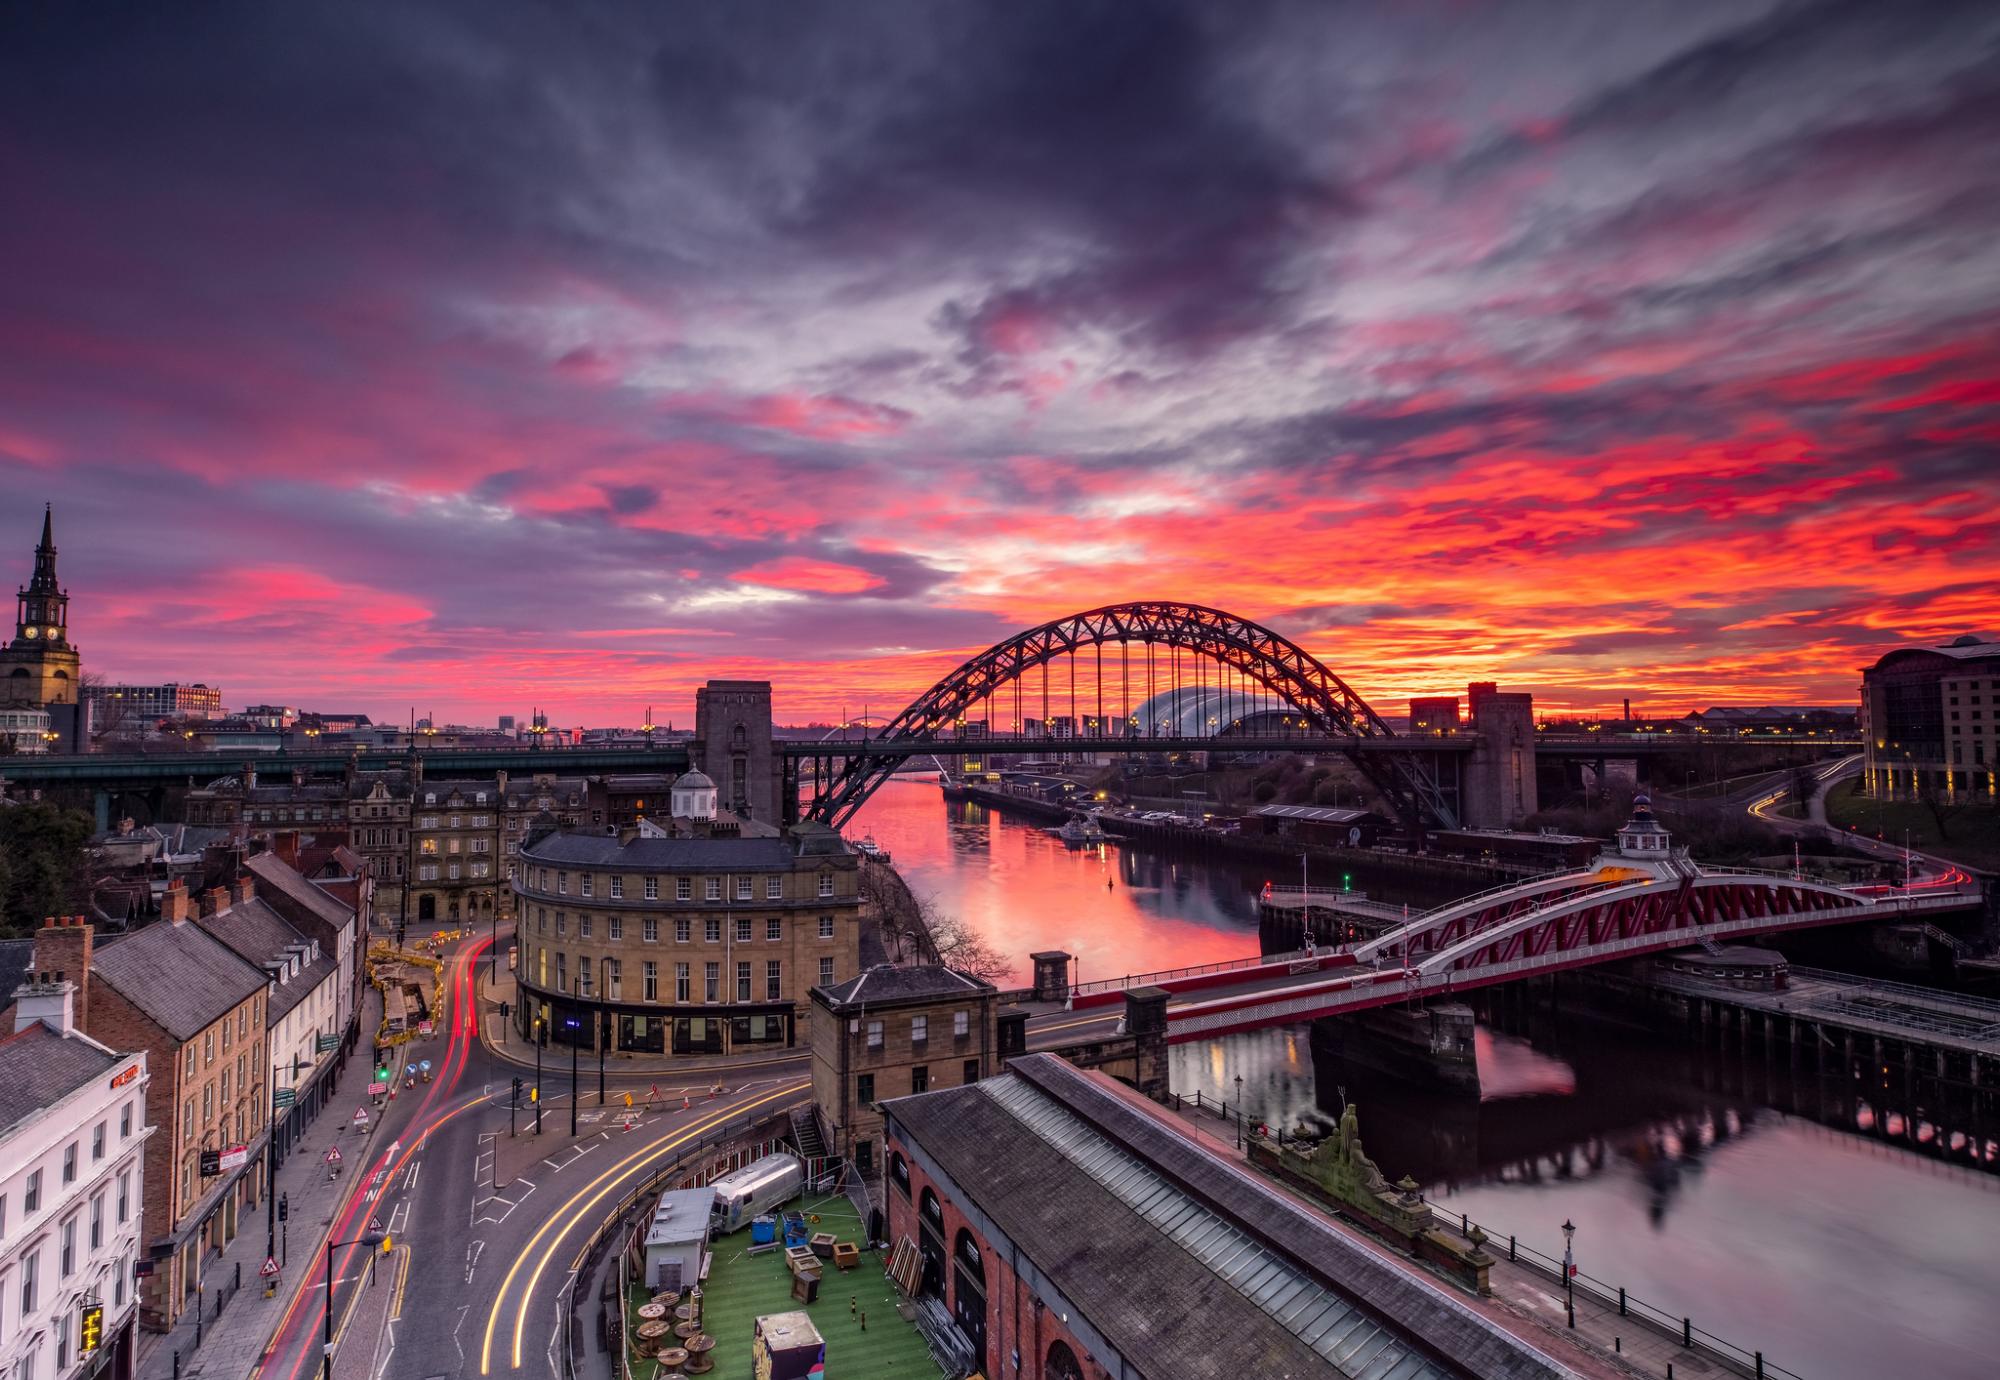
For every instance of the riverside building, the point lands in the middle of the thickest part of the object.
(697, 934)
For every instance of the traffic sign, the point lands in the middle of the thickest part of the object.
(424, 1027)
(333, 1154)
(269, 1269)
(360, 1116)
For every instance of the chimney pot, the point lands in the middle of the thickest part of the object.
(246, 889)
(215, 900)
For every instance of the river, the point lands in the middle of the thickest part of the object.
(1779, 1214)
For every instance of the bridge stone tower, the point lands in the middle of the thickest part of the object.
(732, 744)
(1499, 787)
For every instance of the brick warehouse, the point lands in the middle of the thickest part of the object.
(198, 1012)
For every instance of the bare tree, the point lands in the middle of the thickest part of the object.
(957, 945)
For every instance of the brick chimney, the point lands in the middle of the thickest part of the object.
(249, 776)
(174, 903)
(285, 847)
(215, 901)
(62, 954)
(246, 889)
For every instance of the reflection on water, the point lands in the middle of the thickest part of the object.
(1847, 1232)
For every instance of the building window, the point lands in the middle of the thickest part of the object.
(920, 1078)
(920, 1030)
(742, 929)
(562, 972)
(682, 928)
(826, 972)
(773, 980)
(583, 975)
(652, 980)
(899, 1172)
(615, 926)
(743, 982)
(617, 991)
(971, 1071)
(69, 1161)
(774, 929)
(961, 1024)
(97, 1222)
(67, 1264)
(743, 885)
(826, 884)
(562, 883)
(31, 1267)
(711, 978)
(652, 888)
(683, 888)
(649, 930)
(31, 1196)
(826, 927)
(681, 982)
(541, 920)
(125, 1122)
(583, 921)
(711, 929)
(584, 885)
(874, 1034)
(617, 888)
(864, 1089)
(774, 888)
(124, 1196)
(562, 924)
(714, 888)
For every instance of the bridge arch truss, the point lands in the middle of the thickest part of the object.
(1252, 654)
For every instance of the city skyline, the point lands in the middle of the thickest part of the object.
(480, 360)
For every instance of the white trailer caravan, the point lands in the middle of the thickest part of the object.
(758, 1187)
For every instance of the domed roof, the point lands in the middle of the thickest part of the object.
(694, 780)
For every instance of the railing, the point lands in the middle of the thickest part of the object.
(1616, 1296)
(1231, 965)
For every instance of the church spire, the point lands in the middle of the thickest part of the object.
(44, 581)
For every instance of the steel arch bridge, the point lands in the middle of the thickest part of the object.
(1256, 656)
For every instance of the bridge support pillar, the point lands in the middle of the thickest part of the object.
(1432, 1045)
(1051, 975)
(100, 800)
(1499, 789)
(1146, 1023)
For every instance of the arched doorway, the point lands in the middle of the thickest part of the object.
(968, 1290)
(1063, 1364)
(930, 1241)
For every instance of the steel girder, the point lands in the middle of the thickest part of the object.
(1273, 662)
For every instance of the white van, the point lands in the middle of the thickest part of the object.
(757, 1188)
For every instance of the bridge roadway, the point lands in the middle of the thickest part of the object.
(106, 771)
(1543, 926)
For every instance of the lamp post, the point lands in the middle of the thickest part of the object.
(1569, 1271)
(603, 1023)
(372, 1239)
(540, 1039)
(1239, 1111)
(572, 1024)
(271, 1171)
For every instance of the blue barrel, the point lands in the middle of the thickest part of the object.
(763, 1231)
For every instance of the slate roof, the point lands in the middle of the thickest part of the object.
(39, 1067)
(885, 985)
(1238, 1278)
(272, 871)
(260, 935)
(664, 855)
(182, 977)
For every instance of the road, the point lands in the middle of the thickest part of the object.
(487, 1218)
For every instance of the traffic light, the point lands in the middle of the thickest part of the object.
(517, 1087)
(284, 1207)
(382, 1073)
(1347, 881)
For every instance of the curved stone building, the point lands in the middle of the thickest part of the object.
(684, 936)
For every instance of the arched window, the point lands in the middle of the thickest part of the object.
(933, 1211)
(899, 1171)
(1062, 1363)
(966, 1252)
(968, 1290)
(739, 736)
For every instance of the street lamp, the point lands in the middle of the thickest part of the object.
(540, 1037)
(371, 1239)
(1569, 1271)
(603, 1022)
(572, 1024)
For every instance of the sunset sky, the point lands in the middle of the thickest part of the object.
(474, 357)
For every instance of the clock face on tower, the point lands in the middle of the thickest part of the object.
(31, 632)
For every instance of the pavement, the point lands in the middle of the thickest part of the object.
(232, 1341)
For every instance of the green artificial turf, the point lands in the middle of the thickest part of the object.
(742, 1288)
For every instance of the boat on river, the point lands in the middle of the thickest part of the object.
(1080, 831)
(868, 848)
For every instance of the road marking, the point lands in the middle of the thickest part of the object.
(472, 1254)
(410, 1181)
(608, 1179)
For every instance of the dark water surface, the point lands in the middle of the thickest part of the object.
(1839, 1231)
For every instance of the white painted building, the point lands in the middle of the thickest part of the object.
(72, 1165)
